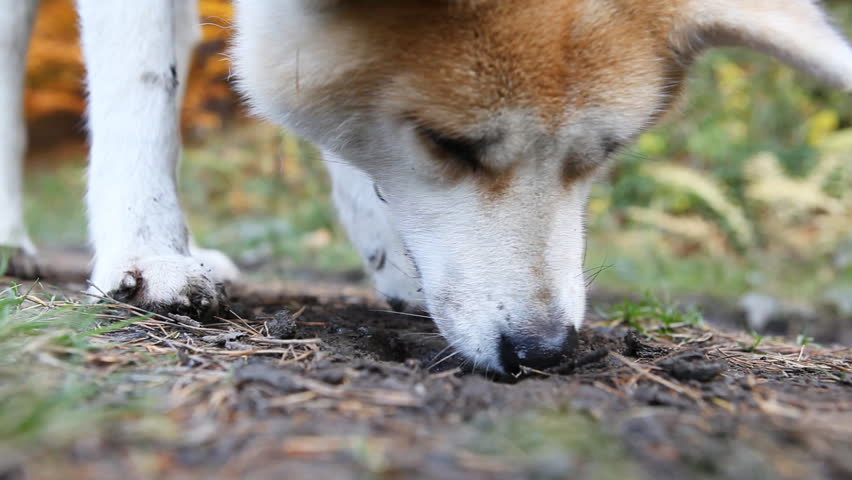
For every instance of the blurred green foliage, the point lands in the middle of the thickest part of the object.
(262, 196)
(745, 186)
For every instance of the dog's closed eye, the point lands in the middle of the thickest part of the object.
(462, 152)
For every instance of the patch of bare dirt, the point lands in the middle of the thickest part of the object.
(325, 387)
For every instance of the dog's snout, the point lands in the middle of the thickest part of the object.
(536, 351)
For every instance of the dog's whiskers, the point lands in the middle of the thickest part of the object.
(405, 314)
(400, 270)
(441, 352)
(422, 334)
(594, 277)
(447, 357)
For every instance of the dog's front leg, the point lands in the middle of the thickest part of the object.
(136, 224)
(16, 250)
(366, 217)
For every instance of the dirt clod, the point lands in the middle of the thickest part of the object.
(636, 345)
(282, 325)
(592, 357)
(693, 366)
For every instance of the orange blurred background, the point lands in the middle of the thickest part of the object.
(55, 100)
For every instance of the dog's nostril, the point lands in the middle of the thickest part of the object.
(508, 358)
(535, 351)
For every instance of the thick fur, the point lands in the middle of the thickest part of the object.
(483, 124)
(137, 56)
(15, 26)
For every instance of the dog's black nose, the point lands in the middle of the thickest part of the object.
(538, 352)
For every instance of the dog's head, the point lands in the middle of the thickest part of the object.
(484, 123)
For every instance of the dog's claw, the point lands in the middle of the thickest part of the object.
(128, 282)
(168, 284)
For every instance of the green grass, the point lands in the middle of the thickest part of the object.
(650, 315)
(753, 346)
(50, 393)
(803, 339)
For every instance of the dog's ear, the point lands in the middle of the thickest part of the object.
(797, 32)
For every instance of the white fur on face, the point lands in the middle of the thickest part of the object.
(488, 265)
(491, 265)
(485, 267)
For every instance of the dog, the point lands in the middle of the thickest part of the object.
(462, 138)
(475, 129)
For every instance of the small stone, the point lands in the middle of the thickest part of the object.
(282, 325)
(693, 366)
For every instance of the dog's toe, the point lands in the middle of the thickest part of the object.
(167, 284)
(222, 268)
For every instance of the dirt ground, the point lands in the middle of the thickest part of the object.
(329, 385)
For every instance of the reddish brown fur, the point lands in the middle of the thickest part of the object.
(454, 63)
(466, 59)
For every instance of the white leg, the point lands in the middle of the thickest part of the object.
(136, 223)
(15, 28)
(187, 37)
(366, 219)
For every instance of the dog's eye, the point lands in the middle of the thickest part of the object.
(463, 151)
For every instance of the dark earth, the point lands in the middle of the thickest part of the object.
(327, 385)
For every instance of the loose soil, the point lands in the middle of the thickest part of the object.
(327, 386)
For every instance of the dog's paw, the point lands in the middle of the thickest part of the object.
(164, 284)
(19, 262)
(223, 269)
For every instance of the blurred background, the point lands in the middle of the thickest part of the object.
(746, 190)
